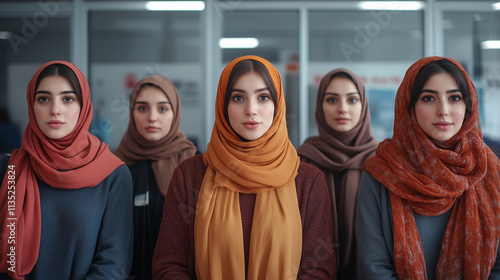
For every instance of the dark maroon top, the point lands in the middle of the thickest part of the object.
(174, 252)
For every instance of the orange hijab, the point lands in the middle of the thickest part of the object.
(166, 153)
(63, 163)
(430, 178)
(266, 167)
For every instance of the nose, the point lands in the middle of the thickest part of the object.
(251, 107)
(443, 108)
(343, 106)
(55, 108)
(152, 116)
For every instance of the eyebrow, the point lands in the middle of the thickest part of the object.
(436, 92)
(60, 93)
(144, 102)
(333, 93)
(242, 91)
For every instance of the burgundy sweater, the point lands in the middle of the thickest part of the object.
(174, 252)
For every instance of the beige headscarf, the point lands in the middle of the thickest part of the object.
(267, 167)
(166, 153)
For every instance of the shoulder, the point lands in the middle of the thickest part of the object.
(308, 170)
(190, 171)
(121, 170)
(370, 189)
(120, 176)
(369, 182)
(310, 178)
(193, 163)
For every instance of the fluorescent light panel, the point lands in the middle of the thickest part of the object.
(496, 6)
(391, 5)
(238, 43)
(175, 5)
(490, 44)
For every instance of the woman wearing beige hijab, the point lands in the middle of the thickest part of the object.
(152, 147)
(247, 208)
(345, 141)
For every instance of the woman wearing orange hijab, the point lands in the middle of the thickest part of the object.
(429, 201)
(247, 208)
(152, 147)
(66, 210)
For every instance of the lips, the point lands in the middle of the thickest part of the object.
(442, 125)
(55, 123)
(342, 120)
(152, 129)
(251, 124)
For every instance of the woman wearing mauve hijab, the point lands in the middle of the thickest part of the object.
(152, 147)
(247, 208)
(429, 200)
(72, 214)
(344, 143)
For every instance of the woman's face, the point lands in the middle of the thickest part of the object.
(440, 109)
(153, 114)
(342, 104)
(250, 108)
(56, 107)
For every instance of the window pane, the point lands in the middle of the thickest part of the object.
(26, 43)
(465, 34)
(128, 46)
(379, 46)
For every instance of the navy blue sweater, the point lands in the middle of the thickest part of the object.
(86, 233)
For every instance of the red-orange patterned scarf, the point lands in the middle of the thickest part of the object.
(429, 178)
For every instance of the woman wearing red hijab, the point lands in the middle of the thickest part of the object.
(247, 208)
(66, 200)
(429, 201)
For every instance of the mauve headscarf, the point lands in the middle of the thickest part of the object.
(341, 155)
(166, 153)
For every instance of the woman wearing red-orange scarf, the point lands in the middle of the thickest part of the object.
(247, 208)
(429, 201)
(65, 199)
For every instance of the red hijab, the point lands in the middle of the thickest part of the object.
(431, 178)
(78, 160)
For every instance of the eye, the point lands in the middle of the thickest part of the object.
(331, 100)
(68, 99)
(237, 98)
(456, 98)
(42, 99)
(427, 98)
(142, 108)
(164, 109)
(264, 97)
(353, 99)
